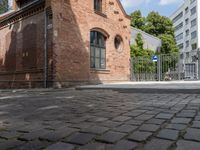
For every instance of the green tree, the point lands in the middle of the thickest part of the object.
(3, 6)
(138, 50)
(157, 24)
(168, 44)
(137, 20)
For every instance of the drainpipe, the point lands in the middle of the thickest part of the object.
(45, 50)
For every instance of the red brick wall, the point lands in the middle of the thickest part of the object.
(72, 21)
(22, 52)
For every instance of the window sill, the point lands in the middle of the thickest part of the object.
(105, 71)
(100, 13)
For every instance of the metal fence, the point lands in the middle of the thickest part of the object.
(166, 67)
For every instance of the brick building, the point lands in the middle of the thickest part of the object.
(64, 42)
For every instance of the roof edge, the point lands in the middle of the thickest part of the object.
(122, 8)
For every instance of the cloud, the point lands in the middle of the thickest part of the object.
(134, 3)
(169, 2)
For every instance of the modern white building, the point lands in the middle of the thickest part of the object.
(186, 20)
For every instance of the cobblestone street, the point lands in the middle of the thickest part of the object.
(70, 119)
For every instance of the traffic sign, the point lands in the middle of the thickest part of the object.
(155, 58)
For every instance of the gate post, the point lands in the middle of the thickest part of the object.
(198, 64)
(159, 68)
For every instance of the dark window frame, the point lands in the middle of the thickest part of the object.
(97, 50)
(98, 5)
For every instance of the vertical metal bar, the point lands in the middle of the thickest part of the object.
(198, 65)
(159, 69)
(45, 50)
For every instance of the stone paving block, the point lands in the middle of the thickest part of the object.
(111, 137)
(125, 128)
(97, 119)
(187, 145)
(196, 124)
(58, 134)
(125, 145)
(110, 124)
(10, 144)
(60, 146)
(121, 118)
(197, 118)
(93, 146)
(192, 134)
(132, 114)
(33, 135)
(144, 117)
(95, 130)
(10, 134)
(139, 136)
(82, 125)
(134, 122)
(164, 116)
(186, 115)
(176, 126)
(149, 127)
(158, 144)
(155, 121)
(32, 145)
(80, 138)
(181, 120)
(168, 134)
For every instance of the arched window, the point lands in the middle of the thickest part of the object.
(98, 5)
(97, 50)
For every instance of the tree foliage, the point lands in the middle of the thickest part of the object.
(168, 44)
(137, 50)
(159, 26)
(3, 6)
(137, 20)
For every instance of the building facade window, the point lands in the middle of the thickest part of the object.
(118, 42)
(187, 32)
(98, 5)
(178, 27)
(97, 50)
(179, 37)
(180, 46)
(186, 21)
(187, 43)
(194, 35)
(194, 46)
(179, 16)
(193, 22)
(186, 10)
(193, 10)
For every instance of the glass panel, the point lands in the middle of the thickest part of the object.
(103, 63)
(103, 53)
(97, 52)
(97, 63)
(92, 51)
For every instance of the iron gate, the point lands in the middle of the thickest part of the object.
(167, 67)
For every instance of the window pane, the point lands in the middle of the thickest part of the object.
(92, 51)
(97, 52)
(97, 63)
(103, 63)
(103, 53)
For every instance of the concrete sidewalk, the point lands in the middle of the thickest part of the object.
(149, 87)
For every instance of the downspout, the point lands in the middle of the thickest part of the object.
(45, 50)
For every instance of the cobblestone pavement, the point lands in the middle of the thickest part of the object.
(98, 120)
